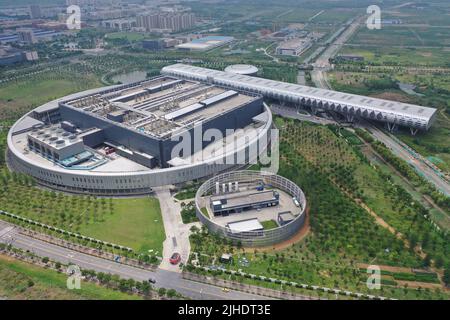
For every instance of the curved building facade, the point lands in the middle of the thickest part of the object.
(116, 141)
(253, 238)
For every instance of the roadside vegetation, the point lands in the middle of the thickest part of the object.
(24, 281)
(402, 166)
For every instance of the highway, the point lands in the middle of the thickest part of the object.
(322, 65)
(397, 147)
(166, 279)
(417, 161)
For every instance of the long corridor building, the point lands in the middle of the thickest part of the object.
(350, 105)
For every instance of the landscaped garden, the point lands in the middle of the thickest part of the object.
(130, 222)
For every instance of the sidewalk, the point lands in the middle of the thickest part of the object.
(177, 233)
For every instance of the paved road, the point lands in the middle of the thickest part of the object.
(289, 112)
(164, 278)
(397, 148)
(177, 233)
(322, 63)
(416, 161)
(323, 60)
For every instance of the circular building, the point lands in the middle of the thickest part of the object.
(127, 139)
(243, 69)
(251, 207)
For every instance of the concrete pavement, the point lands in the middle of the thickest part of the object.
(177, 233)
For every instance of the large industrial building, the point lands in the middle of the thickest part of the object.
(205, 43)
(126, 139)
(352, 106)
(236, 205)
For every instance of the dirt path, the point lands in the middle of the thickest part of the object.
(380, 221)
(416, 284)
(387, 268)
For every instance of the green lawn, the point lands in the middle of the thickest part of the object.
(18, 98)
(269, 224)
(136, 223)
(205, 212)
(130, 36)
(400, 56)
(433, 143)
(20, 280)
(403, 36)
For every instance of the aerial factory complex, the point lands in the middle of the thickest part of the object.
(390, 112)
(126, 139)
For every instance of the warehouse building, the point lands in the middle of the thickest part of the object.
(205, 43)
(352, 106)
(252, 226)
(238, 202)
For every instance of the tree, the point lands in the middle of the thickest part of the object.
(171, 293)
(161, 292)
(446, 277)
(427, 261)
(439, 261)
(145, 288)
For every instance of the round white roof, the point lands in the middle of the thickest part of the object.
(245, 69)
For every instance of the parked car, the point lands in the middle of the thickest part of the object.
(175, 258)
(151, 280)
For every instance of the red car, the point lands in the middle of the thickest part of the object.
(175, 258)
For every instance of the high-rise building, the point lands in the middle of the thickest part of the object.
(35, 11)
(166, 20)
(26, 35)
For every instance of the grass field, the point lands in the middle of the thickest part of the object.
(387, 55)
(131, 222)
(136, 223)
(434, 13)
(20, 280)
(432, 143)
(390, 36)
(17, 98)
(130, 36)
